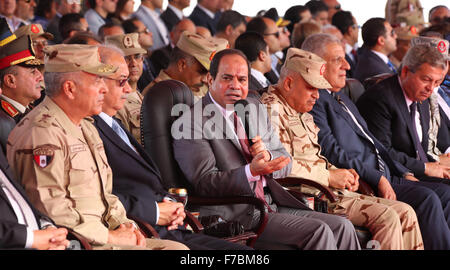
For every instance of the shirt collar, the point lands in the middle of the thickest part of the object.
(382, 56)
(224, 112)
(177, 12)
(259, 77)
(108, 119)
(207, 11)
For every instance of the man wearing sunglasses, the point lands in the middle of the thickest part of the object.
(380, 40)
(129, 114)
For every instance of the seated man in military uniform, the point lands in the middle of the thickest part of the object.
(190, 62)
(59, 157)
(20, 82)
(288, 103)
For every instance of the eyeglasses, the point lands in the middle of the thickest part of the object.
(145, 31)
(71, 2)
(355, 26)
(276, 34)
(134, 56)
(122, 82)
(338, 6)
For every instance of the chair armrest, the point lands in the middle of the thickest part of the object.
(294, 181)
(193, 222)
(145, 227)
(365, 188)
(194, 200)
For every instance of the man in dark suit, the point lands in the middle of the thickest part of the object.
(347, 143)
(222, 163)
(21, 225)
(136, 178)
(206, 14)
(388, 107)
(379, 41)
(256, 50)
(174, 13)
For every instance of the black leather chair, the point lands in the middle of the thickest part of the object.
(353, 89)
(156, 137)
(371, 81)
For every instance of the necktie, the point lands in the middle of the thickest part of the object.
(27, 213)
(381, 165)
(419, 149)
(392, 67)
(353, 52)
(119, 131)
(245, 146)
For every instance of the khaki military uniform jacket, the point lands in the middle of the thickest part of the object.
(163, 76)
(298, 133)
(130, 114)
(65, 172)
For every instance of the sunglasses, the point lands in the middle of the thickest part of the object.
(276, 34)
(122, 82)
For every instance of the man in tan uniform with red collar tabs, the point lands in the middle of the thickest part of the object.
(59, 157)
(393, 224)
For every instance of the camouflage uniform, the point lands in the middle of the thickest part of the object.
(66, 175)
(404, 11)
(130, 114)
(393, 224)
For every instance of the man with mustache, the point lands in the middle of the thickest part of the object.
(219, 161)
(347, 142)
(189, 62)
(288, 103)
(397, 111)
(21, 84)
(130, 113)
(67, 174)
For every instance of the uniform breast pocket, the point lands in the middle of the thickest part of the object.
(81, 170)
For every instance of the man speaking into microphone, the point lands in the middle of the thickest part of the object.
(219, 162)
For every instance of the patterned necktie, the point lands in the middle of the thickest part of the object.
(419, 149)
(381, 165)
(392, 67)
(27, 213)
(245, 146)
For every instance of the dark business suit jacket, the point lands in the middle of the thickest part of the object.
(200, 18)
(137, 184)
(345, 145)
(214, 163)
(253, 84)
(169, 18)
(384, 108)
(13, 234)
(351, 72)
(369, 64)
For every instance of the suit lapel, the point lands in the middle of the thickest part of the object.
(226, 130)
(401, 104)
(339, 109)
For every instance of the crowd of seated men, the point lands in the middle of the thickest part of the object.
(329, 137)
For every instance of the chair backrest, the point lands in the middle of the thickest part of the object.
(353, 89)
(371, 81)
(156, 123)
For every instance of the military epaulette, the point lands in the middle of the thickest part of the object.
(9, 109)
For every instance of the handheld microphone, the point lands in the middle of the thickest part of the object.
(243, 114)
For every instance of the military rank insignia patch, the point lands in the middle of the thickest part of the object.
(43, 156)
